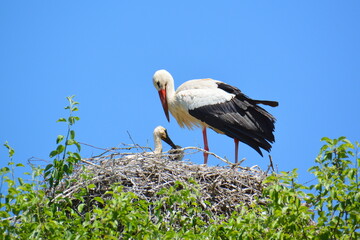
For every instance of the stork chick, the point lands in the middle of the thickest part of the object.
(160, 133)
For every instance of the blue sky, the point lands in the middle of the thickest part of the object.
(304, 54)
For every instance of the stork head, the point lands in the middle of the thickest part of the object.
(161, 132)
(161, 80)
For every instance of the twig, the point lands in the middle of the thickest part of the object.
(35, 159)
(92, 164)
(89, 145)
(211, 153)
(271, 165)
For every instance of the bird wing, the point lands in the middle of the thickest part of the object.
(233, 90)
(224, 108)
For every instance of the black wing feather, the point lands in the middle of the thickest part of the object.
(233, 90)
(240, 118)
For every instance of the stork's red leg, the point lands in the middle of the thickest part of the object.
(206, 147)
(236, 149)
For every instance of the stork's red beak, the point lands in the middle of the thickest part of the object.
(162, 95)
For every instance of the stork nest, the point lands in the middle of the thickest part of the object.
(226, 188)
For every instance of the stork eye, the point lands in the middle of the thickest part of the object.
(158, 84)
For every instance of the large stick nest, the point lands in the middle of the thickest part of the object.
(145, 174)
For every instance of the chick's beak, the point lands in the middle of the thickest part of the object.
(169, 141)
(162, 95)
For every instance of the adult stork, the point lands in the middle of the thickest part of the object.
(209, 103)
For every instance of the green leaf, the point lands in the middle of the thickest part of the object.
(78, 146)
(328, 140)
(77, 156)
(46, 174)
(48, 167)
(59, 139)
(10, 149)
(99, 199)
(61, 120)
(53, 153)
(21, 181)
(81, 207)
(72, 134)
(60, 148)
(73, 119)
(341, 138)
(4, 170)
(67, 169)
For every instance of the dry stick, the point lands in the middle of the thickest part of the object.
(213, 154)
(89, 145)
(131, 146)
(36, 159)
(271, 163)
(92, 164)
(134, 142)
(113, 148)
(106, 150)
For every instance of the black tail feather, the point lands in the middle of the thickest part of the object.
(266, 102)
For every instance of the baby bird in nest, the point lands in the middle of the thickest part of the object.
(160, 133)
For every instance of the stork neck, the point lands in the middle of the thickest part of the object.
(158, 145)
(170, 90)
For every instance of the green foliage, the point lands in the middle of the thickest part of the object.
(328, 209)
(10, 150)
(178, 214)
(64, 160)
(337, 199)
(283, 216)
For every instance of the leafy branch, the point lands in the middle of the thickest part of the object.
(64, 160)
(337, 200)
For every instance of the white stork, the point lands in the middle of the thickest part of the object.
(160, 133)
(225, 109)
